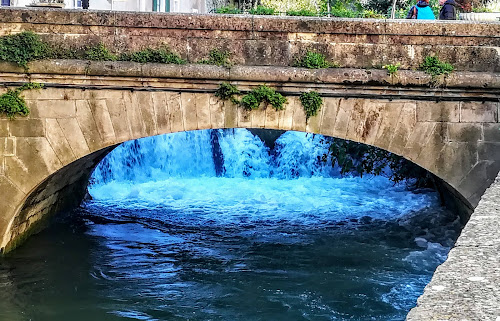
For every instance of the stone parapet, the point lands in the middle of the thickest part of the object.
(268, 41)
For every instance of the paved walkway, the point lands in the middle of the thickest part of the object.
(467, 286)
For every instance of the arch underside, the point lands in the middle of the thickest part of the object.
(56, 149)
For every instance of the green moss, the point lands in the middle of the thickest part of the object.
(161, 55)
(311, 102)
(22, 48)
(262, 10)
(314, 60)
(218, 58)
(227, 91)
(13, 104)
(263, 94)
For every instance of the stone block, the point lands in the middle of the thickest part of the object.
(217, 112)
(161, 110)
(343, 117)
(432, 147)
(4, 127)
(418, 138)
(9, 146)
(285, 118)
(244, 118)
(87, 124)
(118, 113)
(188, 105)
(12, 193)
(74, 136)
(27, 128)
(463, 132)
(313, 124)
(145, 104)
(103, 121)
(478, 112)
(489, 151)
(443, 111)
(137, 127)
(403, 129)
(58, 142)
(491, 132)
(272, 118)
(357, 119)
(35, 160)
(373, 120)
(299, 115)
(202, 102)
(454, 160)
(386, 130)
(176, 113)
(330, 110)
(53, 109)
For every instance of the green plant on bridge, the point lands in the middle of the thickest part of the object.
(302, 13)
(22, 48)
(227, 91)
(392, 69)
(218, 58)
(311, 102)
(314, 60)
(262, 10)
(228, 10)
(262, 93)
(13, 104)
(435, 67)
(99, 52)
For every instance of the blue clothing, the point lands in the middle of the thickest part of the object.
(424, 11)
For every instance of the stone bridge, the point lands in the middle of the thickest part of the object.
(88, 108)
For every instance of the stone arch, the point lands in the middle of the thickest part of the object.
(49, 156)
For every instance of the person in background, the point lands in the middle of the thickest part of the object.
(449, 10)
(421, 11)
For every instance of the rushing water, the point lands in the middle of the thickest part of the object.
(212, 225)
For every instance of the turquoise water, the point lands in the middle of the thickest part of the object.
(212, 225)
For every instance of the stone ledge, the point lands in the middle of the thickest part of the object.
(483, 81)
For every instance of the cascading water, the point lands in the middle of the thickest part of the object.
(213, 225)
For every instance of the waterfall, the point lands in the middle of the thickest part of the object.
(232, 153)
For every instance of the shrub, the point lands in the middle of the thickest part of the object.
(218, 58)
(434, 67)
(22, 48)
(228, 10)
(314, 60)
(262, 10)
(12, 104)
(227, 91)
(392, 69)
(302, 13)
(99, 52)
(311, 102)
(263, 94)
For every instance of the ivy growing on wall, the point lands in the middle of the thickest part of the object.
(13, 104)
(311, 102)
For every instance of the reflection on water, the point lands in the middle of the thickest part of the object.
(231, 239)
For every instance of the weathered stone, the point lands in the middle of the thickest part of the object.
(418, 139)
(203, 111)
(134, 115)
(102, 120)
(4, 127)
(330, 110)
(87, 123)
(477, 112)
(463, 132)
(407, 120)
(491, 132)
(299, 115)
(217, 112)
(27, 128)
(385, 132)
(146, 107)
(343, 116)
(160, 105)
(188, 105)
(118, 113)
(431, 111)
(58, 142)
(74, 136)
(9, 147)
(53, 109)
(176, 112)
